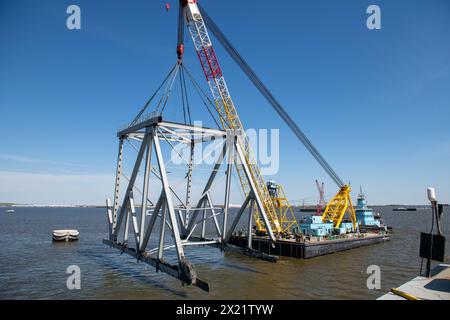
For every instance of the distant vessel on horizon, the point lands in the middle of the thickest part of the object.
(404, 209)
(9, 211)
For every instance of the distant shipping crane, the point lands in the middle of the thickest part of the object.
(321, 204)
(278, 209)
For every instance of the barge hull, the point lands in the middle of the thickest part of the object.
(303, 250)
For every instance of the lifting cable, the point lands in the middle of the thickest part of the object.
(168, 89)
(167, 85)
(152, 97)
(182, 97)
(203, 96)
(269, 97)
(185, 97)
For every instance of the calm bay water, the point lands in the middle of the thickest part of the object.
(33, 267)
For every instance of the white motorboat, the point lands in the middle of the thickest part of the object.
(65, 235)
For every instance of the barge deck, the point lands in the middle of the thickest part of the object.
(308, 249)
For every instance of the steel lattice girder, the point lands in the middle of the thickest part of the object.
(151, 133)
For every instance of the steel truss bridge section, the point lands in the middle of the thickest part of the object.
(176, 218)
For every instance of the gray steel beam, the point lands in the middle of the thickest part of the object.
(152, 222)
(206, 189)
(174, 133)
(132, 211)
(109, 217)
(117, 183)
(168, 196)
(148, 165)
(134, 174)
(259, 203)
(208, 138)
(211, 206)
(203, 221)
(230, 156)
(250, 224)
(238, 217)
(127, 226)
(189, 184)
(162, 228)
(174, 125)
(172, 270)
(139, 126)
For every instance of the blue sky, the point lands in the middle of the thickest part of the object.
(374, 102)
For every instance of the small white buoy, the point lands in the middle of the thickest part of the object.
(65, 235)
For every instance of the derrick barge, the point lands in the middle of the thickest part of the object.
(318, 238)
(305, 250)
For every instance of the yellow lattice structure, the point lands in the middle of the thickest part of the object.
(284, 212)
(338, 207)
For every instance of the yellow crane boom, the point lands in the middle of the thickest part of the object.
(229, 117)
(279, 211)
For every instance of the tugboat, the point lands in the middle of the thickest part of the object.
(367, 220)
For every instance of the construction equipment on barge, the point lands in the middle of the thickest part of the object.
(341, 203)
(321, 204)
(206, 223)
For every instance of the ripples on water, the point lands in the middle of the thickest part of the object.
(32, 267)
